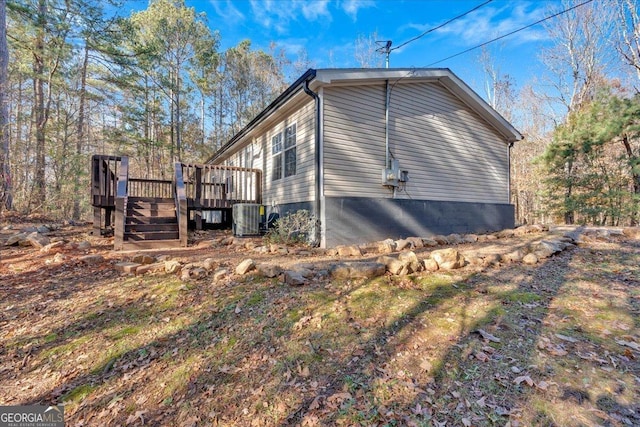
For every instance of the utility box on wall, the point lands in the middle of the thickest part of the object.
(247, 218)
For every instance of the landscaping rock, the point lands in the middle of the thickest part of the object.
(38, 240)
(220, 274)
(386, 246)
(150, 268)
(454, 239)
(514, 256)
(15, 239)
(416, 242)
(245, 266)
(53, 247)
(428, 243)
(209, 264)
(469, 238)
(172, 267)
(197, 273)
(227, 241)
(294, 278)
(92, 259)
(474, 260)
(349, 251)
(83, 246)
(504, 234)
(491, 259)
(410, 261)
(430, 265)
(448, 259)
(269, 270)
(392, 265)
(440, 240)
(530, 259)
(144, 259)
(43, 229)
(402, 244)
(546, 248)
(357, 270)
(127, 267)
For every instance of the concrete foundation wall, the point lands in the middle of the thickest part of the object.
(354, 220)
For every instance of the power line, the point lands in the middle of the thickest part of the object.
(511, 33)
(441, 25)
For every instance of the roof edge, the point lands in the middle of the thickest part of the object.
(310, 74)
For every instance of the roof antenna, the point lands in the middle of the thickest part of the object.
(386, 49)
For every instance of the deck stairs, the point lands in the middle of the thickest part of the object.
(151, 223)
(154, 213)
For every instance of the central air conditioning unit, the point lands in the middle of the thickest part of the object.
(247, 218)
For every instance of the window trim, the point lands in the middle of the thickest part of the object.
(279, 150)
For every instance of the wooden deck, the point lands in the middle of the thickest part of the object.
(194, 189)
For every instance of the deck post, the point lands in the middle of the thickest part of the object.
(97, 221)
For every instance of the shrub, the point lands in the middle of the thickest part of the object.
(294, 228)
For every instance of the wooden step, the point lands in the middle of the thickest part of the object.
(151, 235)
(146, 228)
(150, 244)
(156, 200)
(151, 213)
(136, 219)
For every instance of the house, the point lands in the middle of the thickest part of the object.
(381, 153)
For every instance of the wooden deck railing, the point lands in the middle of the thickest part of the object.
(143, 187)
(122, 194)
(104, 174)
(195, 188)
(213, 186)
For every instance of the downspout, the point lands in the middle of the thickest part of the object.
(316, 98)
(510, 146)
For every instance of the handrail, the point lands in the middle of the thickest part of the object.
(181, 203)
(121, 203)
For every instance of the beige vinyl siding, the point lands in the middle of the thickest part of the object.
(449, 151)
(353, 141)
(299, 187)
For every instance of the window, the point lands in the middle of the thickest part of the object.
(284, 153)
(276, 151)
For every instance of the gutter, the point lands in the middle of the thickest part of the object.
(318, 165)
(284, 97)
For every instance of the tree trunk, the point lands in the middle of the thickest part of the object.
(80, 129)
(38, 194)
(6, 196)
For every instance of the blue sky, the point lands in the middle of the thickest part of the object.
(327, 30)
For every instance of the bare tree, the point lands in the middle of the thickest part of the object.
(627, 44)
(366, 51)
(580, 55)
(5, 173)
(499, 88)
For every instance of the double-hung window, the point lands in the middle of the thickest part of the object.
(283, 152)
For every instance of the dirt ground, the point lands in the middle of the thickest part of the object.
(556, 343)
